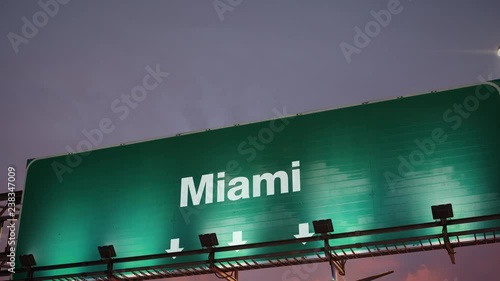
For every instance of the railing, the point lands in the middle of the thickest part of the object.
(338, 254)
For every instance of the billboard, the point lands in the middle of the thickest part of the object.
(374, 165)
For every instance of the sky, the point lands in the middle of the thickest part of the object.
(64, 64)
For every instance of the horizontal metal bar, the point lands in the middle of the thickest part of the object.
(359, 233)
(278, 243)
(202, 270)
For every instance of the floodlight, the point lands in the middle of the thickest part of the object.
(323, 226)
(442, 212)
(107, 252)
(498, 51)
(208, 240)
(27, 260)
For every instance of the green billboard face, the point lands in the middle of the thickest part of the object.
(369, 166)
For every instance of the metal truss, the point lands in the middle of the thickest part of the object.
(334, 253)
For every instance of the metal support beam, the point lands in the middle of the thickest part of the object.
(109, 269)
(360, 249)
(217, 271)
(338, 264)
(228, 276)
(4, 208)
(30, 275)
(211, 257)
(447, 243)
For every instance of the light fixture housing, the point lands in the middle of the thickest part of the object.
(442, 212)
(27, 260)
(498, 51)
(323, 226)
(107, 252)
(208, 240)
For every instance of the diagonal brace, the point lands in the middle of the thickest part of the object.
(447, 243)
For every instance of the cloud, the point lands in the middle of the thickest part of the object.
(423, 273)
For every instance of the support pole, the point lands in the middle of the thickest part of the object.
(217, 271)
(338, 264)
(211, 257)
(109, 269)
(447, 243)
(30, 274)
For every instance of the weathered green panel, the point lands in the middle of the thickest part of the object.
(129, 195)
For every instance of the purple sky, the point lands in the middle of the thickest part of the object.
(235, 66)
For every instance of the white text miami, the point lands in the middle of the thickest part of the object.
(239, 187)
